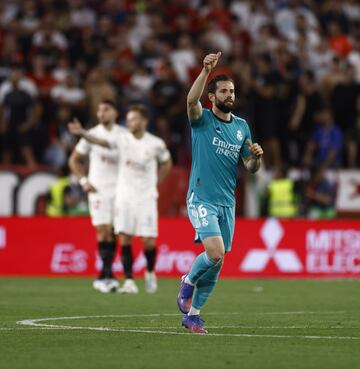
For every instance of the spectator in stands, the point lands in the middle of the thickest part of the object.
(70, 94)
(338, 41)
(49, 42)
(324, 150)
(61, 142)
(19, 115)
(280, 197)
(320, 196)
(264, 110)
(301, 122)
(166, 91)
(65, 197)
(343, 99)
(10, 54)
(131, 40)
(42, 78)
(98, 88)
(140, 84)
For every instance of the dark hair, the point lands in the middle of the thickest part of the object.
(111, 103)
(309, 74)
(141, 109)
(212, 85)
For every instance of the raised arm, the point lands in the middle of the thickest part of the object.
(194, 108)
(76, 129)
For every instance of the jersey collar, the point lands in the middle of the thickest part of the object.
(222, 120)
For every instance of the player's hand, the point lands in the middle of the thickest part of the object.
(210, 61)
(255, 149)
(88, 187)
(75, 127)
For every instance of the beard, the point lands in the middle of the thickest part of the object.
(106, 122)
(224, 106)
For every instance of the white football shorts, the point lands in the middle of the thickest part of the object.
(102, 208)
(137, 219)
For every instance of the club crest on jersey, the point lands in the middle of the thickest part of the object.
(239, 135)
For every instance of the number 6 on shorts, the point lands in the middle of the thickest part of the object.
(202, 211)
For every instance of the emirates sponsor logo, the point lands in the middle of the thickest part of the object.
(286, 260)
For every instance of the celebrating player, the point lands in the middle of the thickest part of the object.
(101, 188)
(219, 139)
(144, 162)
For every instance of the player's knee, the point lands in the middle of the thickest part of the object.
(126, 239)
(104, 234)
(217, 255)
(149, 243)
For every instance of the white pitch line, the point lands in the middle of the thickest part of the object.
(35, 323)
(149, 331)
(250, 327)
(26, 329)
(159, 315)
(52, 327)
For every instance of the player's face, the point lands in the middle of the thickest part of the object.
(224, 96)
(106, 114)
(135, 122)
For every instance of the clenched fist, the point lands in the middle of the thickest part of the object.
(210, 61)
(255, 149)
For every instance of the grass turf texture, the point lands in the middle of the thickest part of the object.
(254, 307)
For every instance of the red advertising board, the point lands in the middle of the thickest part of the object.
(261, 248)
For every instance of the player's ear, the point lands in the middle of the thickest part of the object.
(211, 97)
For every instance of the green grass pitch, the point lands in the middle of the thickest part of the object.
(252, 324)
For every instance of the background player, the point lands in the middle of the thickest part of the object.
(219, 139)
(144, 163)
(100, 184)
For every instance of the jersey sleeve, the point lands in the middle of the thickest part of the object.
(245, 151)
(162, 153)
(83, 147)
(200, 121)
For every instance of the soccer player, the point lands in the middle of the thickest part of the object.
(100, 184)
(219, 139)
(144, 163)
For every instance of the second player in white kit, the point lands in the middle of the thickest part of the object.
(136, 195)
(144, 162)
(101, 188)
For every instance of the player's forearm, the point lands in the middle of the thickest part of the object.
(76, 167)
(197, 88)
(94, 140)
(253, 164)
(164, 170)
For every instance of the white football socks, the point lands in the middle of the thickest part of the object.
(187, 280)
(194, 311)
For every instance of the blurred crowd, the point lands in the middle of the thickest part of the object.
(296, 67)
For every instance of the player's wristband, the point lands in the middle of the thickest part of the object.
(83, 181)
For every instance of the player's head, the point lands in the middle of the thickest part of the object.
(221, 92)
(137, 118)
(107, 112)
